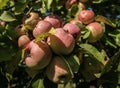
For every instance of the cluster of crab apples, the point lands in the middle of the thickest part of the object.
(46, 40)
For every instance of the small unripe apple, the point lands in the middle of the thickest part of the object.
(23, 40)
(73, 29)
(86, 16)
(19, 31)
(55, 20)
(61, 42)
(96, 31)
(57, 71)
(30, 23)
(39, 55)
(41, 27)
(33, 19)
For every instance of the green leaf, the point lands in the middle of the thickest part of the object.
(7, 48)
(118, 69)
(118, 39)
(19, 7)
(110, 42)
(74, 62)
(41, 37)
(113, 63)
(37, 81)
(55, 5)
(68, 64)
(75, 9)
(86, 35)
(91, 50)
(104, 20)
(119, 78)
(22, 1)
(7, 16)
(3, 3)
(70, 84)
(13, 64)
(110, 79)
(6, 54)
(92, 65)
(98, 1)
(47, 4)
(38, 84)
(88, 75)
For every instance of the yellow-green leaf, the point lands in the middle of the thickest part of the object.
(3, 3)
(73, 61)
(91, 50)
(98, 1)
(7, 16)
(104, 20)
(41, 37)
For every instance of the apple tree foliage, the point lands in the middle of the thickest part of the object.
(97, 64)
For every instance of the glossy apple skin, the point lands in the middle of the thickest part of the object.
(61, 43)
(57, 71)
(37, 56)
(86, 16)
(96, 31)
(55, 20)
(41, 27)
(23, 40)
(73, 29)
(75, 21)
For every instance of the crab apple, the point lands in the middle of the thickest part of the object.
(38, 55)
(33, 19)
(75, 21)
(57, 71)
(72, 29)
(41, 27)
(61, 42)
(86, 16)
(96, 31)
(19, 31)
(55, 20)
(23, 40)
